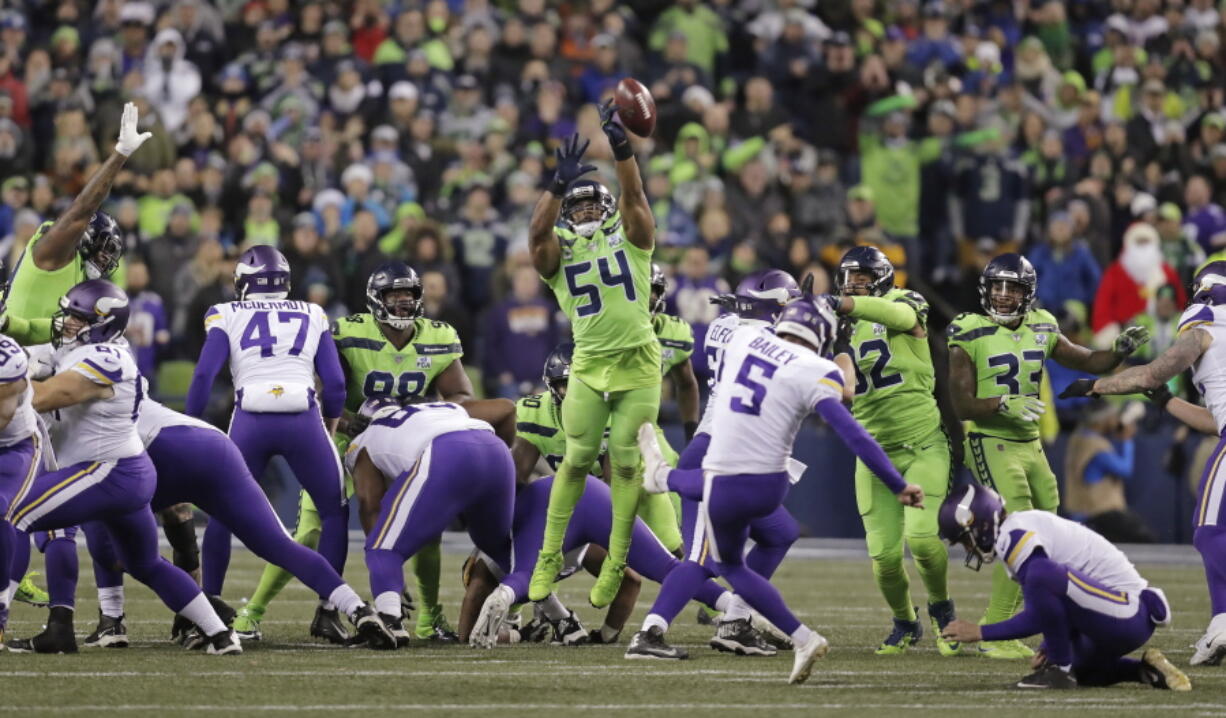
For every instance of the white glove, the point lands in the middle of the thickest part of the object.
(129, 139)
(796, 469)
(41, 362)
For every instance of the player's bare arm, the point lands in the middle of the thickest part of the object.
(687, 395)
(1197, 417)
(1101, 361)
(639, 224)
(67, 389)
(10, 400)
(369, 485)
(848, 367)
(498, 413)
(525, 456)
(58, 244)
(962, 388)
(546, 252)
(1178, 357)
(481, 583)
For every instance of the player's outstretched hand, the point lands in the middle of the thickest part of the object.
(1130, 340)
(806, 284)
(962, 631)
(1079, 387)
(1159, 396)
(911, 495)
(727, 301)
(1026, 408)
(570, 164)
(129, 139)
(618, 140)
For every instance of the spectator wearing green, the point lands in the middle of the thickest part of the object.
(409, 216)
(703, 30)
(153, 209)
(410, 33)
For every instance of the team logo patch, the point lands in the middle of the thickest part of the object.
(277, 391)
(567, 254)
(615, 241)
(1040, 338)
(591, 246)
(397, 358)
(423, 362)
(1017, 337)
(878, 330)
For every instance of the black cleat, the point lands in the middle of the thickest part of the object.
(194, 639)
(395, 625)
(597, 638)
(57, 637)
(180, 629)
(224, 643)
(706, 617)
(1049, 677)
(407, 604)
(110, 633)
(440, 632)
(535, 631)
(650, 644)
(223, 609)
(569, 632)
(371, 629)
(327, 625)
(739, 637)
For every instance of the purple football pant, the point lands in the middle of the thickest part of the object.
(733, 502)
(116, 494)
(466, 474)
(303, 441)
(1209, 519)
(18, 466)
(591, 525)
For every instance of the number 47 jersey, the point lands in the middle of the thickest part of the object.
(767, 386)
(272, 344)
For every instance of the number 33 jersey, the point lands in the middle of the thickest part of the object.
(766, 388)
(272, 342)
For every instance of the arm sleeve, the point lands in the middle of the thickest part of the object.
(328, 367)
(28, 332)
(213, 356)
(897, 316)
(1107, 463)
(860, 442)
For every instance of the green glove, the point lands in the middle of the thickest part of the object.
(1026, 408)
(1130, 340)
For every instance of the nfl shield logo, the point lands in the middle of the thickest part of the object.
(423, 362)
(397, 358)
(1017, 337)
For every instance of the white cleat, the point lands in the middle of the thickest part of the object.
(225, 643)
(1211, 648)
(655, 469)
(493, 612)
(805, 656)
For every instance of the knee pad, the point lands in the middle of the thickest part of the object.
(888, 561)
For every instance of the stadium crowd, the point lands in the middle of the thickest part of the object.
(1090, 135)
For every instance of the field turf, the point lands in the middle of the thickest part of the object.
(287, 673)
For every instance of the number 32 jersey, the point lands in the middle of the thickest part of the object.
(272, 341)
(766, 388)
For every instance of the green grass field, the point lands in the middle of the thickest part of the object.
(288, 673)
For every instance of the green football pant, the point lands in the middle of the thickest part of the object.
(585, 414)
(1019, 472)
(887, 523)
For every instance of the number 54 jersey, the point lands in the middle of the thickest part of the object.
(272, 343)
(767, 387)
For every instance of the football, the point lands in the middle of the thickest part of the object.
(635, 107)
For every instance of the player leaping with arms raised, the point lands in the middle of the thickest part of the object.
(1200, 346)
(598, 263)
(996, 366)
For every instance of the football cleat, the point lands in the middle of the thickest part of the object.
(806, 654)
(569, 632)
(224, 610)
(180, 627)
(707, 617)
(739, 636)
(770, 632)
(535, 631)
(224, 643)
(438, 630)
(655, 468)
(57, 637)
(247, 624)
(327, 625)
(607, 583)
(596, 638)
(1211, 648)
(1049, 677)
(940, 614)
(1158, 672)
(651, 644)
(194, 639)
(110, 633)
(904, 635)
(1005, 650)
(493, 613)
(407, 604)
(371, 629)
(544, 575)
(395, 624)
(28, 592)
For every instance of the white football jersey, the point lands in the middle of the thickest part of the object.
(766, 388)
(102, 429)
(1068, 543)
(155, 416)
(14, 366)
(1209, 371)
(395, 442)
(719, 333)
(271, 340)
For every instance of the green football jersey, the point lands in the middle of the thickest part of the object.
(538, 420)
(1007, 361)
(894, 377)
(603, 285)
(35, 293)
(676, 340)
(374, 367)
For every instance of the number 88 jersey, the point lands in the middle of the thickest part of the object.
(271, 341)
(1007, 361)
(374, 367)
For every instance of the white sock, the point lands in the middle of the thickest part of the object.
(725, 599)
(655, 619)
(507, 593)
(327, 605)
(802, 635)
(200, 612)
(6, 596)
(1066, 668)
(737, 608)
(388, 603)
(608, 633)
(553, 609)
(111, 601)
(346, 599)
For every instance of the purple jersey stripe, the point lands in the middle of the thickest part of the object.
(1205, 314)
(114, 376)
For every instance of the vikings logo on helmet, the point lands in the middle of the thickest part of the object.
(811, 320)
(1209, 285)
(971, 516)
(262, 272)
(762, 295)
(100, 305)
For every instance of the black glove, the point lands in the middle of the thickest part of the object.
(615, 132)
(727, 301)
(806, 284)
(832, 302)
(691, 428)
(570, 164)
(1079, 387)
(1159, 396)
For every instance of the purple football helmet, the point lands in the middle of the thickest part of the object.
(372, 409)
(262, 271)
(100, 304)
(762, 295)
(1209, 284)
(810, 319)
(973, 512)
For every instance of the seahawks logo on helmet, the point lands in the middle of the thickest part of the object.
(577, 198)
(1012, 268)
(402, 311)
(557, 370)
